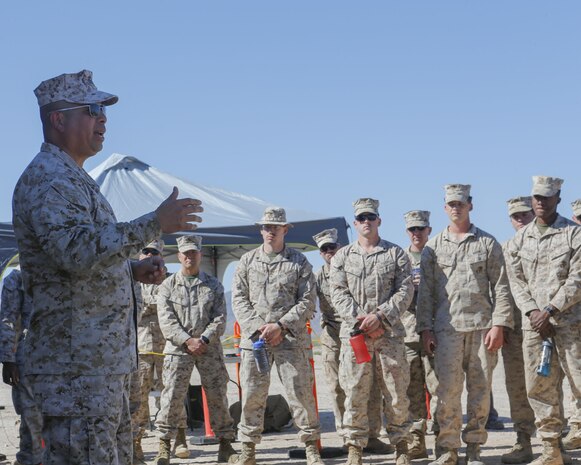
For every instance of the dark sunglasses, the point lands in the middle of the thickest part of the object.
(366, 216)
(95, 109)
(416, 228)
(150, 252)
(328, 248)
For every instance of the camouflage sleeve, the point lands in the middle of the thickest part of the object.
(168, 323)
(242, 307)
(340, 294)
(217, 324)
(518, 283)
(569, 293)
(66, 230)
(10, 317)
(296, 318)
(499, 289)
(426, 308)
(400, 300)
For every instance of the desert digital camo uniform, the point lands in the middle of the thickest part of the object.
(331, 351)
(192, 308)
(267, 290)
(81, 340)
(463, 293)
(14, 320)
(150, 341)
(376, 282)
(547, 270)
(521, 412)
(422, 370)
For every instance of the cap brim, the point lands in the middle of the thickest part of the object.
(456, 198)
(544, 191)
(519, 209)
(188, 248)
(275, 223)
(417, 224)
(103, 98)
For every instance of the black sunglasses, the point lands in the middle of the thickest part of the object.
(366, 216)
(416, 228)
(95, 109)
(328, 247)
(150, 252)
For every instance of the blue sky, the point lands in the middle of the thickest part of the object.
(311, 105)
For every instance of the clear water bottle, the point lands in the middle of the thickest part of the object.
(260, 356)
(544, 368)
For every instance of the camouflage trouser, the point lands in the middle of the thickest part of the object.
(544, 393)
(295, 373)
(30, 430)
(330, 351)
(148, 363)
(85, 419)
(391, 371)
(422, 375)
(521, 412)
(177, 370)
(459, 354)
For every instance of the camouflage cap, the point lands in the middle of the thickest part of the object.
(417, 218)
(274, 215)
(576, 207)
(457, 192)
(519, 204)
(73, 88)
(366, 205)
(328, 236)
(546, 186)
(156, 245)
(191, 242)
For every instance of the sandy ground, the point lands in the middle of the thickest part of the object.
(275, 447)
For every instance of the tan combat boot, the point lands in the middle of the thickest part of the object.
(246, 457)
(473, 454)
(551, 454)
(573, 439)
(401, 453)
(225, 450)
(313, 454)
(521, 452)
(417, 449)
(164, 452)
(181, 446)
(355, 455)
(377, 446)
(567, 459)
(446, 457)
(138, 457)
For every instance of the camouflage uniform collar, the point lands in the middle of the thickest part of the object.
(555, 228)
(202, 278)
(262, 256)
(380, 247)
(472, 232)
(47, 147)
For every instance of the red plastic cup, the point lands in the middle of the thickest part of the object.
(360, 348)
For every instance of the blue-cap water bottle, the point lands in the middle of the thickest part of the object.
(544, 368)
(260, 356)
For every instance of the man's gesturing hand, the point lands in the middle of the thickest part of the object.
(178, 214)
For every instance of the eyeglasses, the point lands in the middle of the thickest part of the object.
(150, 252)
(366, 216)
(416, 228)
(270, 227)
(328, 248)
(95, 109)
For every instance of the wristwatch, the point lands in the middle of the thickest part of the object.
(550, 310)
(205, 340)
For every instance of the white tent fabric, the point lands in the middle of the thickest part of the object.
(134, 188)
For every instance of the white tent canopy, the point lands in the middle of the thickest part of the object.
(134, 188)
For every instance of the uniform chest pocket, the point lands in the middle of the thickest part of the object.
(205, 294)
(178, 299)
(386, 274)
(257, 277)
(560, 259)
(477, 262)
(445, 265)
(287, 278)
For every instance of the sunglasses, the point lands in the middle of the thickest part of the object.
(270, 227)
(150, 252)
(328, 248)
(416, 228)
(95, 109)
(366, 216)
